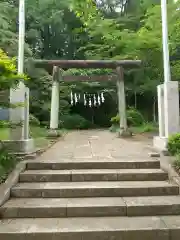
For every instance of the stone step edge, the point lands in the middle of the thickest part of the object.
(160, 228)
(57, 191)
(88, 175)
(67, 208)
(65, 165)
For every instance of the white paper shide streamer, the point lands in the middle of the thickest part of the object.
(102, 97)
(88, 99)
(72, 102)
(85, 101)
(95, 102)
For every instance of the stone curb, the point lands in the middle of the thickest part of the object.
(173, 175)
(12, 180)
(166, 165)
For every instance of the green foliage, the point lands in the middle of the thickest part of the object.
(8, 74)
(116, 119)
(174, 144)
(134, 118)
(146, 127)
(7, 163)
(33, 120)
(88, 29)
(4, 124)
(74, 121)
(176, 163)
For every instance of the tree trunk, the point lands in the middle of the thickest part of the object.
(135, 99)
(154, 109)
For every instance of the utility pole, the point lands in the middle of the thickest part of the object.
(21, 36)
(167, 73)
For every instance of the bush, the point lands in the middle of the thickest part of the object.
(115, 120)
(174, 144)
(74, 121)
(33, 120)
(134, 118)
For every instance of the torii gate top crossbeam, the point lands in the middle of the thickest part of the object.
(88, 63)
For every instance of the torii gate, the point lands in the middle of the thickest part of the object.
(59, 65)
(19, 137)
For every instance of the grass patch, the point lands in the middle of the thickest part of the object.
(4, 133)
(38, 133)
(144, 128)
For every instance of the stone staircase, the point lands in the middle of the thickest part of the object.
(92, 200)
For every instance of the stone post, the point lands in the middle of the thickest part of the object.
(168, 108)
(171, 108)
(19, 119)
(122, 103)
(54, 117)
(160, 90)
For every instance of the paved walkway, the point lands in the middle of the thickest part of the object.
(97, 144)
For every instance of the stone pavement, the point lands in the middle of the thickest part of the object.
(96, 144)
(93, 186)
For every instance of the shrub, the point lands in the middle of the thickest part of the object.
(33, 120)
(115, 120)
(74, 121)
(7, 163)
(134, 118)
(176, 162)
(174, 144)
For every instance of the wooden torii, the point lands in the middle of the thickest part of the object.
(60, 65)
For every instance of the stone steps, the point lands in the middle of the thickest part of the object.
(94, 189)
(93, 175)
(90, 207)
(100, 199)
(98, 228)
(95, 164)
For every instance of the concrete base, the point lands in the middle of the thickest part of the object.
(160, 143)
(53, 133)
(124, 133)
(20, 146)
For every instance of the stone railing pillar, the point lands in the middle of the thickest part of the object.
(168, 111)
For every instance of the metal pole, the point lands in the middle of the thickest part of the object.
(25, 108)
(167, 73)
(21, 36)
